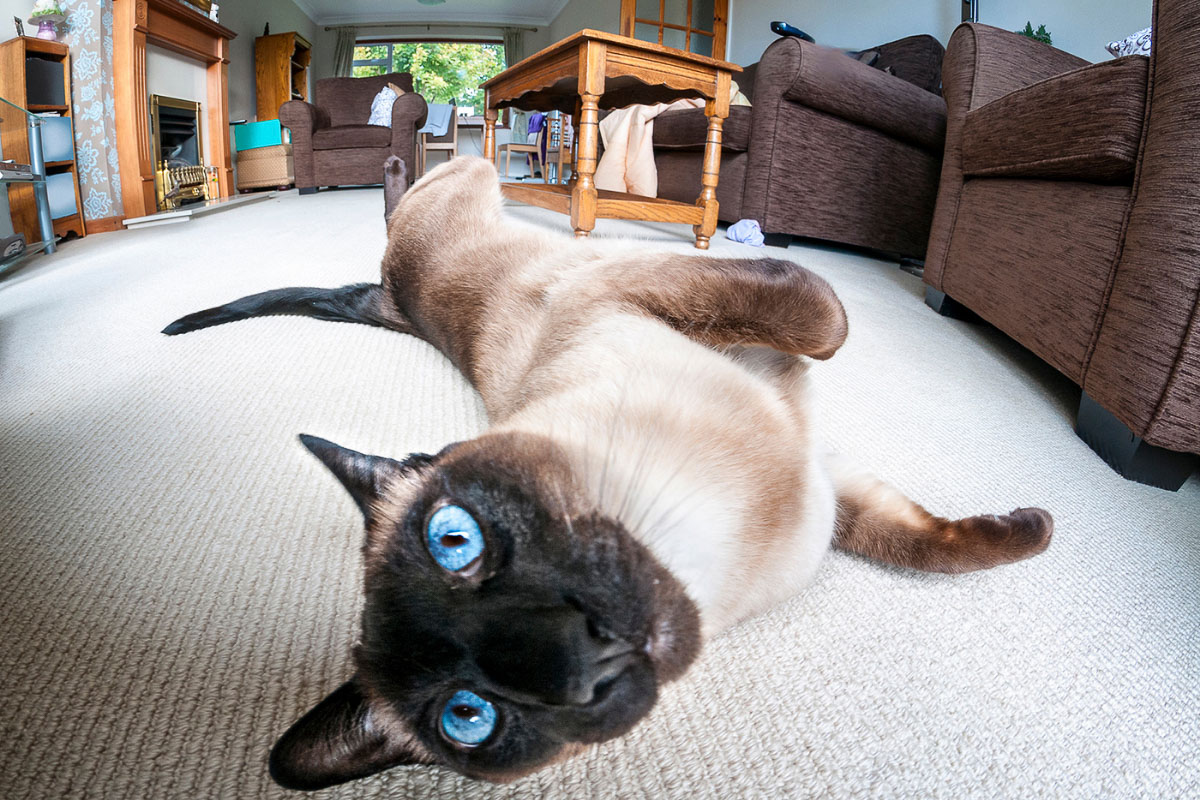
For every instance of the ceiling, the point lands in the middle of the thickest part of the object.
(512, 12)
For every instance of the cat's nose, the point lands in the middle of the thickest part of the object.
(557, 656)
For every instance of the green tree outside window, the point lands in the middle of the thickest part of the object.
(443, 72)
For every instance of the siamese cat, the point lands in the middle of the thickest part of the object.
(651, 476)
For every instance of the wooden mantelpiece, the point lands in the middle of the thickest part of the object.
(176, 27)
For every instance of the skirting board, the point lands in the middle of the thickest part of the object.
(199, 209)
(104, 224)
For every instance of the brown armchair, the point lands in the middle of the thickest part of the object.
(332, 144)
(831, 148)
(1069, 217)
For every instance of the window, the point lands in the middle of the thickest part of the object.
(443, 72)
(697, 26)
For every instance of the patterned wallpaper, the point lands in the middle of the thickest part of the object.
(88, 32)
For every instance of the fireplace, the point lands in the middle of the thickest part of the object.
(180, 177)
(184, 30)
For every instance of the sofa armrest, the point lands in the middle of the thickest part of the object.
(408, 114)
(303, 120)
(299, 116)
(982, 64)
(828, 81)
(1145, 363)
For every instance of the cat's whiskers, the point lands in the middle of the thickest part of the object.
(608, 449)
(659, 528)
(635, 477)
(562, 504)
(680, 465)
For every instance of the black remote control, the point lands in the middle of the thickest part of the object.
(783, 29)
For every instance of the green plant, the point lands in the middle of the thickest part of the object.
(45, 7)
(443, 72)
(1041, 34)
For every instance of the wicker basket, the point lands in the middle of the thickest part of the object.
(265, 167)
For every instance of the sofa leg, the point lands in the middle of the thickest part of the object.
(308, 190)
(947, 306)
(1127, 453)
(783, 240)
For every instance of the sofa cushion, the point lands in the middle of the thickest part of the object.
(686, 129)
(340, 137)
(1134, 44)
(828, 81)
(1082, 125)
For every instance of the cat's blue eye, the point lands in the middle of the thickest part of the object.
(468, 718)
(453, 538)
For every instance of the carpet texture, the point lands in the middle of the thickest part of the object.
(181, 578)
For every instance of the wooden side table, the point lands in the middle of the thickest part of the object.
(591, 70)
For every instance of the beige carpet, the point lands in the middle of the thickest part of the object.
(180, 578)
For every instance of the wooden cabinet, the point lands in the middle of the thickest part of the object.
(36, 75)
(280, 71)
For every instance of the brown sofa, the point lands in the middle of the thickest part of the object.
(1069, 217)
(831, 148)
(332, 144)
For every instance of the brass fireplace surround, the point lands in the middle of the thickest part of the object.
(174, 186)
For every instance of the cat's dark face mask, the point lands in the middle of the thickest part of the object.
(505, 625)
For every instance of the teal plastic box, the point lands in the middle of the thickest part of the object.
(257, 134)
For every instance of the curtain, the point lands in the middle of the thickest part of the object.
(514, 51)
(343, 51)
(88, 32)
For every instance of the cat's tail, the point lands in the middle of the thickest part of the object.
(360, 302)
(876, 520)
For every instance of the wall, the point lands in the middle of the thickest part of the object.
(247, 17)
(851, 23)
(1080, 28)
(599, 15)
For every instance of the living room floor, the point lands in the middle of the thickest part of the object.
(181, 578)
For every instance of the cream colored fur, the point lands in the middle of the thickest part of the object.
(706, 456)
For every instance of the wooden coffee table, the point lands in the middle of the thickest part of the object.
(592, 70)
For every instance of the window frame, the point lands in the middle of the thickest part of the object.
(474, 121)
(719, 34)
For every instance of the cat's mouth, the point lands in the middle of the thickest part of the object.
(605, 687)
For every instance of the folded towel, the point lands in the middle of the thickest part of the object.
(437, 119)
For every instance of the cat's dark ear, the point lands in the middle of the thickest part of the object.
(338, 741)
(363, 476)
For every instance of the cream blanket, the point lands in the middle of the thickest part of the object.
(628, 161)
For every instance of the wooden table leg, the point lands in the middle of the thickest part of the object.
(583, 193)
(708, 178)
(489, 132)
(578, 115)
